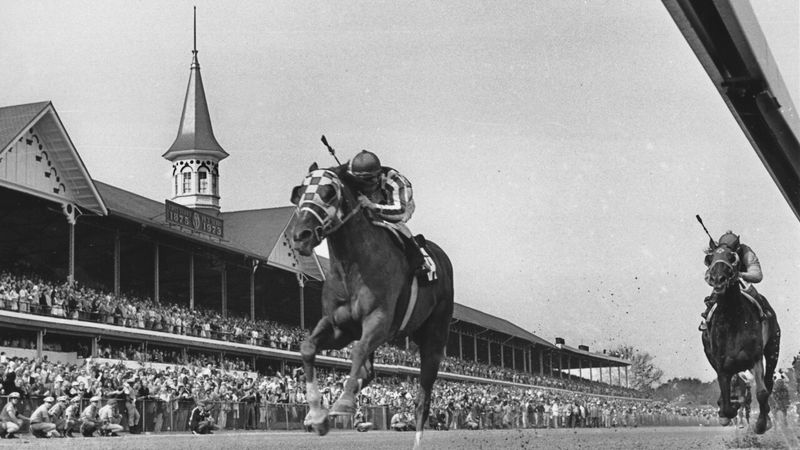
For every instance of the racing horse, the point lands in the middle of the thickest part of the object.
(738, 339)
(368, 295)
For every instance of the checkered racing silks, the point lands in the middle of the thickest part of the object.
(325, 210)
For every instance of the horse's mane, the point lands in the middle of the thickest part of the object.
(348, 180)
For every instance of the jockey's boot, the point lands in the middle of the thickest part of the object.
(703, 326)
(709, 301)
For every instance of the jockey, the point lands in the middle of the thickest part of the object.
(388, 195)
(749, 271)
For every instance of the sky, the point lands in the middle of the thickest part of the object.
(559, 150)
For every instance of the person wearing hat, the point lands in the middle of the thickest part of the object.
(201, 422)
(90, 421)
(10, 417)
(72, 416)
(110, 419)
(57, 414)
(41, 424)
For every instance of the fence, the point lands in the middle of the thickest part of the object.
(162, 416)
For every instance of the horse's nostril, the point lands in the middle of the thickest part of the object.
(302, 235)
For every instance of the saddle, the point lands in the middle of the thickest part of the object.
(758, 300)
(409, 245)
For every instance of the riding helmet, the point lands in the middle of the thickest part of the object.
(730, 240)
(365, 165)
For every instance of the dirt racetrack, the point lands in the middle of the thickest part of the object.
(622, 438)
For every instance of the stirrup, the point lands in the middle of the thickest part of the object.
(703, 326)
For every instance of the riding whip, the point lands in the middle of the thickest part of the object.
(330, 149)
(704, 229)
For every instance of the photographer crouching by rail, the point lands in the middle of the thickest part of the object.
(10, 419)
(201, 422)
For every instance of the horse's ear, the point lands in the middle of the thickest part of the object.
(313, 167)
(295, 195)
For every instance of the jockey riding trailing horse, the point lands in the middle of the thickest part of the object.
(739, 337)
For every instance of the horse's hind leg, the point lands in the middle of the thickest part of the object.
(762, 394)
(431, 339)
(324, 336)
(771, 354)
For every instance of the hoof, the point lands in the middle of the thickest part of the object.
(762, 426)
(322, 428)
(317, 418)
(343, 408)
(724, 421)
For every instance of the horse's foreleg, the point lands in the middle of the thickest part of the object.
(726, 410)
(324, 336)
(762, 394)
(374, 333)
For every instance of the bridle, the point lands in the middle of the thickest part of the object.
(329, 216)
(724, 261)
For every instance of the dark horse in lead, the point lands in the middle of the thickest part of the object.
(737, 339)
(367, 293)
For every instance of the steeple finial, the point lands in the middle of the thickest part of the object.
(194, 49)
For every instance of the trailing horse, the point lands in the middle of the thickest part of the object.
(371, 294)
(737, 338)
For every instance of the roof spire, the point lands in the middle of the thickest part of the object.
(194, 50)
(195, 135)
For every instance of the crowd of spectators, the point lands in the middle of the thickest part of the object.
(455, 405)
(28, 293)
(31, 294)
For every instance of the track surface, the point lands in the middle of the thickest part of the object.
(633, 438)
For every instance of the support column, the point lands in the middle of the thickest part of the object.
(580, 368)
(39, 343)
(253, 295)
(619, 376)
(502, 356)
(475, 347)
(71, 268)
(191, 280)
(156, 279)
(224, 291)
(601, 374)
(541, 364)
(591, 369)
(117, 262)
(560, 366)
(460, 346)
(302, 284)
(489, 351)
(95, 346)
(627, 383)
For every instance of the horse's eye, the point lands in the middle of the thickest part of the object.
(327, 193)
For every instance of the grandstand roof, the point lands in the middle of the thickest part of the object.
(35, 129)
(471, 315)
(250, 228)
(254, 233)
(602, 358)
